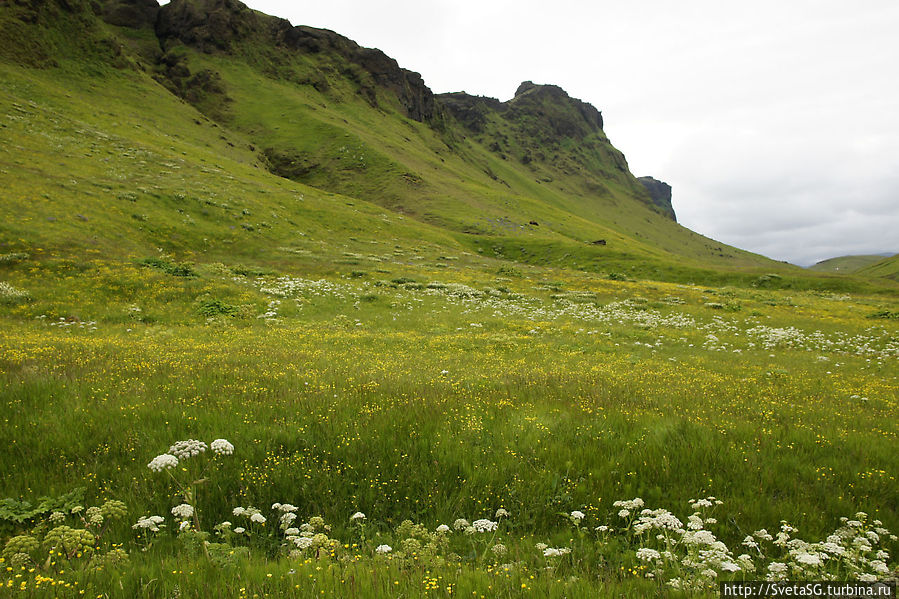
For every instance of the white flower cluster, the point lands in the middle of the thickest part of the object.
(162, 462)
(627, 506)
(484, 525)
(555, 551)
(576, 516)
(648, 555)
(183, 511)
(253, 514)
(660, 518)
(221, 447)
(461, 524)
(187, 449)
(151, 523)
(699, 557)
(358, 516)
(383, 549)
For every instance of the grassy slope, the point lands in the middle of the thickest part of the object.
(846, 264)
(447, 179)
(887, 268)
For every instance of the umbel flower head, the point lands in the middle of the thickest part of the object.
(183, 511)
(484, 525)
(162, 462)
(151, 523)
(186, 449)
(221, 447)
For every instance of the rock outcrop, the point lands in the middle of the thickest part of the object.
(660, 194)
(137, 14)
(217, 25)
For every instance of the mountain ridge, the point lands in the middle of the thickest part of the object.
(533, 180)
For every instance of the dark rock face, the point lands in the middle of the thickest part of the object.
(660, 194)
(559, 115)
(205, 24)
(408, 86)
(530, 97)
(137, 14)
(543, 127)
(470, 111)
(215, 25)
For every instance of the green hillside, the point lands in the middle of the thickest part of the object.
(534, 180)
(846, 264)
(887, 268)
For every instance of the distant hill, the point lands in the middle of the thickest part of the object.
(846, 264)
(887, 268)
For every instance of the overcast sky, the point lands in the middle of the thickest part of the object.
(776, 122)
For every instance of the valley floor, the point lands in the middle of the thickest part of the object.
(522, 433)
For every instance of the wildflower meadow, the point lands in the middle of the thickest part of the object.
(476, 434)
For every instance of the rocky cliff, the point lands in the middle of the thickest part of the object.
(660, 194)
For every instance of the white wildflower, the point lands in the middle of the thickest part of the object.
(238, 511)
(183, 511)
(629, 504)
(382, 549)
(240, 530)
(730, 567)
(460, 524)
(151, 523)
(358, 516)
(163, 462)
(302, 542)
(484, 525)
(258, 518)
(879, 566)
(501, 513)
(577, 516)
(443, 529)
(763, 535)
(221, 447)
(186, 449)
(648, 555)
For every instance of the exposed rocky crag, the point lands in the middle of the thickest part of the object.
(221, 25)
(660, 193)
